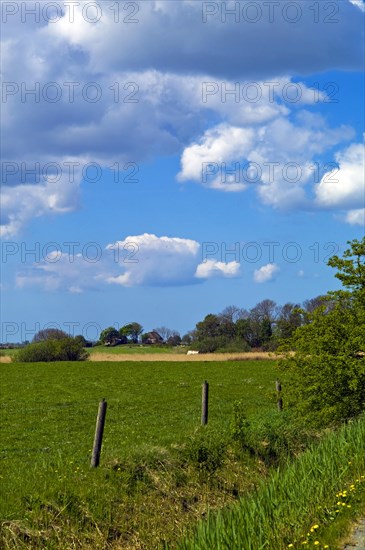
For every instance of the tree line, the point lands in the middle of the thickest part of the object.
(234, 329)
(266, 326)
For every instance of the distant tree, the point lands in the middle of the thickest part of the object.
(233, 314)
(261, 319)
(326, 302)
(174, 339)
(80, 338)
(266, 309)
(244, 331)
(187, 339)
(290, 318)
(310, 305)
(209, 327)
(164, 332)
(132, 331)
(108, 335)
(49, 334)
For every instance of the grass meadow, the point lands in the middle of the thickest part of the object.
(48, 414)
(161, 473)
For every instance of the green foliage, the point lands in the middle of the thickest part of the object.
(234, 346)
(273, 437)
(132, 331)
(49, 334)
(287, 506)
(66, 349)
(206, 451)
(326, 376)
(108, 335)
(352, 266)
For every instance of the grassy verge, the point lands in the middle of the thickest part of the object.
(297, 506)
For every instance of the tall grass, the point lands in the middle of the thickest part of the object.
(294, 499)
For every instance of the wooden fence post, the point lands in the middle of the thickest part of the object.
(98, 440)
(205, 398)
(278, 390)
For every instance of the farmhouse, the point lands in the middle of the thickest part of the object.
(116, 341)
(152, 338)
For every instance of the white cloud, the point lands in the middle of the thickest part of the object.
(58, 193)
(265, 273)
(221, 144)
(213, 268)
(61, 271)
(344, 187)
(165, 261)
(169, 72)
(358, 3)
(356, 217)
(162, 38)
(139, 260)
(155, 260)
(280, 155)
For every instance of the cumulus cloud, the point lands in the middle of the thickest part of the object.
(62, 271)
(152, 92)
(358, 3)
(156, 260)
(265, 273)
(214, 268)
(221, 144)
(356, 217)
(276, 158)
(139, 260)
(58, 193)
(344, 187)
(166, 261)
(227, 47)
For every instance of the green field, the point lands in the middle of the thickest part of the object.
(48, 414)
(127, 349)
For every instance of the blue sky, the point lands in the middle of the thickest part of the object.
(185, 158)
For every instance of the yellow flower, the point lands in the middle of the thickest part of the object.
(290, 545)
(315, 526)
(316, 542)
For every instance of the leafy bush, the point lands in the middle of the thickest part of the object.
(205, 451)
(67, 349)
(273, 437)
(326, 376)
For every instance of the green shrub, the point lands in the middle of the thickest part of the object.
(205, 451)
(273, 437)
(67, 349)
(235, 346)
(326, 375)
